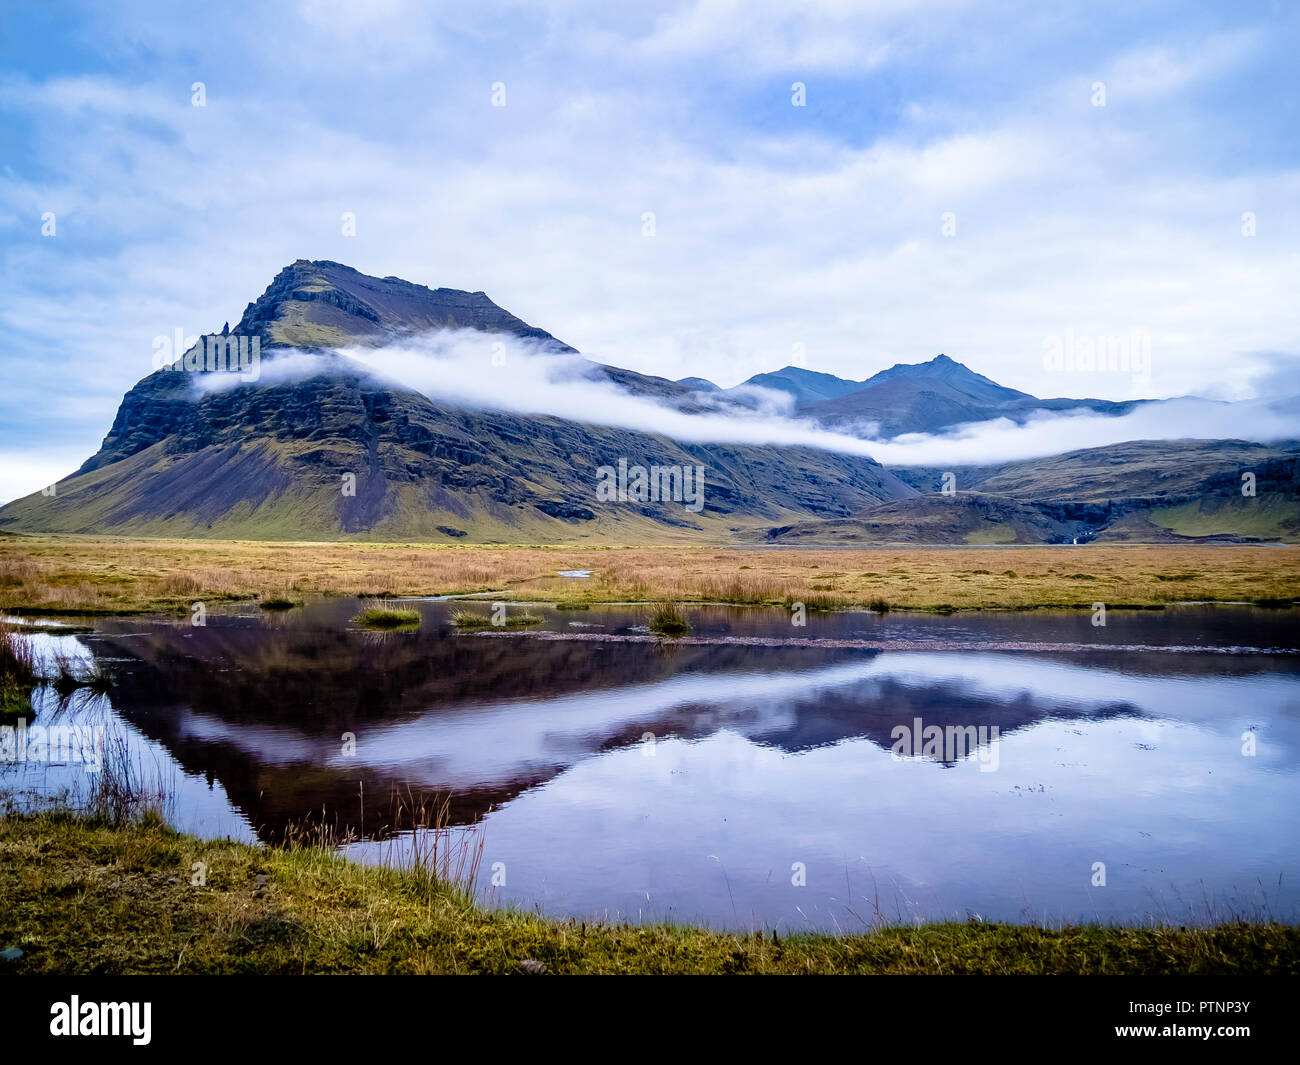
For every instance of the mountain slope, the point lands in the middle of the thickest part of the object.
(1144, 490)
(964, 518)
(1172, 469)
(269, 461)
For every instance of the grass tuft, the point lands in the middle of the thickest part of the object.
(469, 619)
(668, 620)
(380, 615)
(522, 621)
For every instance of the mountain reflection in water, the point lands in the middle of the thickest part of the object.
(651, 779)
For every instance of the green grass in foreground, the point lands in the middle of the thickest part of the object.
(470, 619)
(83, 896)
(383, 616)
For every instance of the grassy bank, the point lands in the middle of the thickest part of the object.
(84, 896)
(105, 575)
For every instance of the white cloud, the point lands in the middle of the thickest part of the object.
(465, 368)
(767, 35)
(1156, 70)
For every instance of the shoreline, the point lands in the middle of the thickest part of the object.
(84, 894)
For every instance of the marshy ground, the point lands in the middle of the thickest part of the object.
(109, 575)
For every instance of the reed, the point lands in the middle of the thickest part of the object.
(69, 673)
(127, 788)
(17, 673)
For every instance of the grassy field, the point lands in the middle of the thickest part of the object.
(85, 896)
(106, 575)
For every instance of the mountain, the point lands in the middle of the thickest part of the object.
(331, 451)
(807, 386)
(698, 384)
(931, 396)
(1156, 490)
(1172, 470)
(922, 397)
(943, 372)
(1149, 491)
(320, 305)
(338, 453)
(965, 518)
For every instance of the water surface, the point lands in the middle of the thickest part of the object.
(749, 776)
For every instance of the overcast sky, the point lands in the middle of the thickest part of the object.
(781, 233)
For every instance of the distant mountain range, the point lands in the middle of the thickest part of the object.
(907, 398)
(338, 453)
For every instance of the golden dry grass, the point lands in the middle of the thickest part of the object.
(81, 574)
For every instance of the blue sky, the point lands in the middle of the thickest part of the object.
(780, 232)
